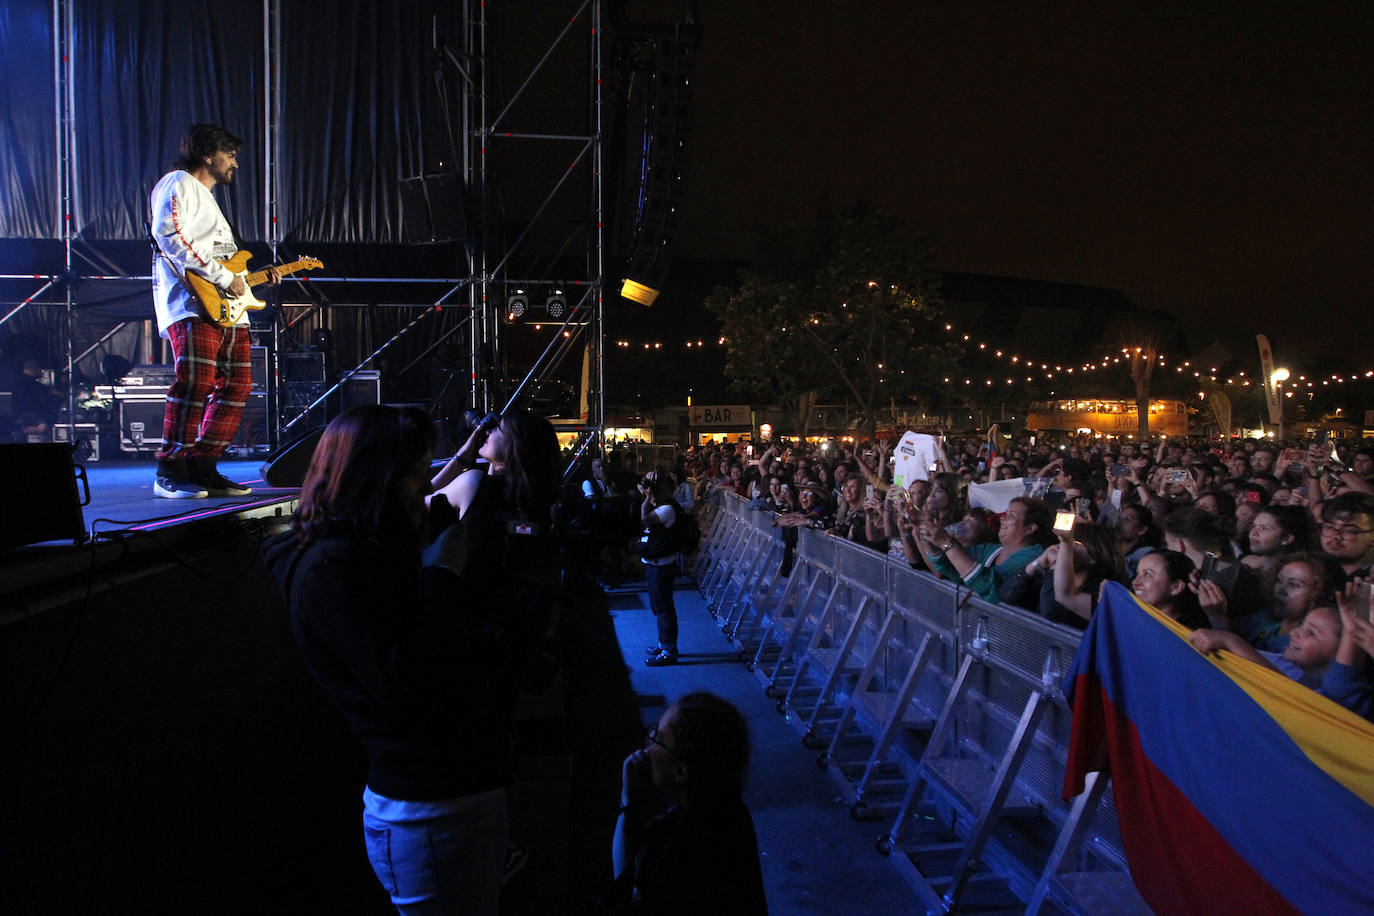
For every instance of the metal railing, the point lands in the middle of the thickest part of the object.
(923, 699)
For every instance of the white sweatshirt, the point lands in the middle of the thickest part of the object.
(194, 235)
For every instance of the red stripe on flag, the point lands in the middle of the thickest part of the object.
(1178, 861)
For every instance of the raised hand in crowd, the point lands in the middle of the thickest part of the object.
(1212, 599)
(1357, 635)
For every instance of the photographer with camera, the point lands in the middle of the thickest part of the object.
(661, 557)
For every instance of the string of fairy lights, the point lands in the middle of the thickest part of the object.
(1041, 369)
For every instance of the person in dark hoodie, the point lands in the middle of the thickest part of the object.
(684, 842)
(400, 637)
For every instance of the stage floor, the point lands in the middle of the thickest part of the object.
(124, 526)
(122, 496)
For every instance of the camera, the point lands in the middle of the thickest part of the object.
(474, 420)
(1176, 475)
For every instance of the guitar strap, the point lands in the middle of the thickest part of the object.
(158, 252)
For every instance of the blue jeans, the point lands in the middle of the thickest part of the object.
(445, 864)
(660, 580)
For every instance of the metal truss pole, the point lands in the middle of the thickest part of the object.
(493, 264)
(272, 103)
(597, 338)
(65, 66)
(480, 326)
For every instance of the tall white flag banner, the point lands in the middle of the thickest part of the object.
(1271, 393)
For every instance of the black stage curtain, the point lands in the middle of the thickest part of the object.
(28, 139)
(360, 111)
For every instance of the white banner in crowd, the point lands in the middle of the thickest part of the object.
(997, 495)
(915, 457)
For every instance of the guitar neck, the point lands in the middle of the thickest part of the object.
(258, 277)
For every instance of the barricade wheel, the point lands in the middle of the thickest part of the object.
(823, 761)
(772, 692)
(728, 630)
(884, 846)
(860, 810)
(782, 707)
(814, 742)
(749, 665)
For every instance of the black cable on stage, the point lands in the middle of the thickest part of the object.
(246, 529)
(141, 521)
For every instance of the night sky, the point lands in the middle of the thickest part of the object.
(1211, 160)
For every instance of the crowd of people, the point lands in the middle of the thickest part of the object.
(1260, 549)
(420, 601)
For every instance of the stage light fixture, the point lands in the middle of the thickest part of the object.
(557, 304)
(638, 292)
(517, 304)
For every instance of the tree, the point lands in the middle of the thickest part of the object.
(1143, 337)
(859, 323)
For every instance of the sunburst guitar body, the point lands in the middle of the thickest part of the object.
(225, 310)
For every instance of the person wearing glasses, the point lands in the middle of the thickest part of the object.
(1347, 534)
(684, 842)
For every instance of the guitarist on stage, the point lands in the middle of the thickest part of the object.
(213, 368)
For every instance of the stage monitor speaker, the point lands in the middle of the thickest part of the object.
(252, 436)
(286, 466)
(432, 209)
(258, 356)
(42, 502)
(302, 366)
(362, 388)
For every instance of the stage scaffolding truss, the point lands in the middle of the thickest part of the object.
(518, 93)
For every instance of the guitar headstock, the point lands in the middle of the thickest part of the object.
(309, 263)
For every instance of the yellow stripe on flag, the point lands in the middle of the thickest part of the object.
(1332, 737)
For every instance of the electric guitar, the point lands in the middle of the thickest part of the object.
(225, 310)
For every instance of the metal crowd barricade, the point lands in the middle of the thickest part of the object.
(806, 603)
(715, 526)
(725, 534)
(1070, 880)
(754, 544)
(958, 700)
(997, 750)
(845, 640)
(760, 589)
(900, 689)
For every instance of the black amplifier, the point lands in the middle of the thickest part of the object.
(87, 439)
(140, 422)
(148, 376)
(302, 366)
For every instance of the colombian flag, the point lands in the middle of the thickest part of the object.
(1237, 789)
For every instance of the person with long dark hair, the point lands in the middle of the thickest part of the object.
(407, 642)
(521, 473)
(1161, 580)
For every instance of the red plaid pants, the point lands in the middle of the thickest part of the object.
(214, 379)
